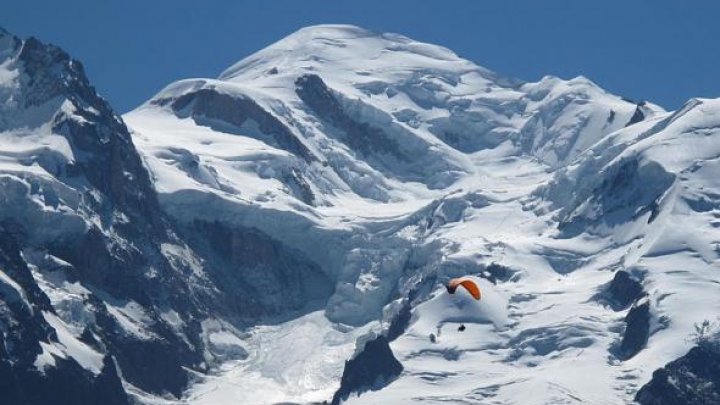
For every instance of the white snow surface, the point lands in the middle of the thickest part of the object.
(299, 361)
(524, 158)
(556, 348)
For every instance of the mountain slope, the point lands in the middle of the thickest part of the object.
(84, 234)
(416, 113)
(294, 131)
(114, 297)
(639, 202)
(415, 166)
(104, 297)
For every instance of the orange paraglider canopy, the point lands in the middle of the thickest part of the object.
(469, 285)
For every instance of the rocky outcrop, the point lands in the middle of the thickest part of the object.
(638, 115)
(113, 250)
(389, 148)
(66, 383)
(373, 368)
(208, 107)
(637, 330)
(25, 338)
(359, 136)
(623, 290)
(692, 379)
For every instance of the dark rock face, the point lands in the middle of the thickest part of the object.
(21, 323)
(66, 383)
(118, 257)
(637, 330)
(623, 290)
(23, 329)
(298, 186)
(101, 143)
(638, 116)
(692, 379)
(154, 365)
(359, 136)
(210, 108)
(400, 322)
(13, 265)
(371, 369)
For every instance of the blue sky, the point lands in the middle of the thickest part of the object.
(663, 51)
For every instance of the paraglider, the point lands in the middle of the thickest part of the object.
(467, 283)
(458, 307)
(470, 285)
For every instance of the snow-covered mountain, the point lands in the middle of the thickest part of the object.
(283, 233)
(99, 296)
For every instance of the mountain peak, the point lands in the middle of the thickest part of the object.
(345, 48)
(334, 31)
(341, 32)
(8, 44)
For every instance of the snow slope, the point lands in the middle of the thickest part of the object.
(561, 333)
(438, 168)
(296, 130)
(425, 112)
